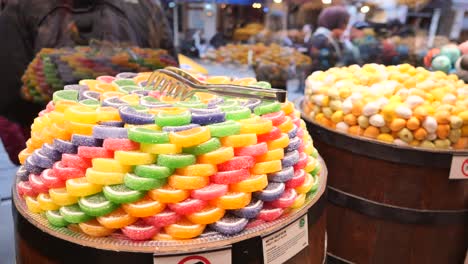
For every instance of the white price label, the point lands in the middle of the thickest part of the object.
(284, 244)
(459, 168)
(223, 256)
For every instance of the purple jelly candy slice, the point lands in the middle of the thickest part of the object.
(251, 210)
(290, 159)
(89, 141)
(230, 225)
(65, 146)
(284, 175)
(104, 132)
(273, 191)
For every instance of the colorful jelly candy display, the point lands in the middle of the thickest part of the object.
(402, 105)
(116, 156)
(51, 69)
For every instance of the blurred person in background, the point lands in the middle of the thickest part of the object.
(275, 31)
(27, 26)
(325, 46)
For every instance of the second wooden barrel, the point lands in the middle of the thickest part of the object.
(389, 204)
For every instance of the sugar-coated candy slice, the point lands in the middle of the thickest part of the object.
(163, 236)
(286, 200)
(208, 118)
(300, 200)
(297, 180)
(252, 150)
(109, 165)
(176, 160)
(94, 228)
(316, 184)
(65, 173)
(287, 125)
(237, 163)
(114, 102)
(173, 118)
(134, 157)
(75, 161)
(112, 123)
(252, 103)
(273, 134)
(276, 118)
(90, 95)
(188, 206)
(73, 214)
(266, 167)
(89, 141)
(290, 159)
(230, 177)
(55, 218)
(149, 136)
(138, 183)
(210, 192)
(252, 184)
(130, 115)
(37, 184)
(164, 218)
(167, 194)
(287, 107)
(200, 169)
(188, 182)
(224, 129)
(153, 171)
(273, 191)
(294, 144)
(120, 193)
(255, 125)
(267, 107)
(144, 207)
(300, 132)
(232, 200)
(49, 150)
(237, 113)
(205, 147)
(316, 170)
(184, 229)
(307, 185)
(207, 215)
(140, 231)
(31, 167)
(22, 173)
(179, 128)
(96, 205)
(269, 213)
(282, 176)
(293, 132)
(41, 160)
(61, 197)
(230, 225)
(190, 137)
(253, 223)
(65, 95)
(45, 203)
(218, 156)
(241, 140)
(104, 132)
(104, 178)
(81, 114)
(32, 204)
(50, 180)
(275, 154)
(120, 144)
(280, 143)
(302, 162)
(117, 219)
(81, 187)
(94, 152)
(251, 210)
(24, 189)
(161, 148)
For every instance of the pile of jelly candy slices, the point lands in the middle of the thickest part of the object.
(108, 155)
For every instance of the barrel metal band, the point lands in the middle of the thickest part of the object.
(395, 213)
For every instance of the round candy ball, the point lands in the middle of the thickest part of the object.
(441, 63)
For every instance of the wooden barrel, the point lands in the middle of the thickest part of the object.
(390, 204)
(37, 243)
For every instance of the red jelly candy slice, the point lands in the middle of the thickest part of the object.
(237, 163)
(230, 177)
(94, 152)
(120, 144)
(210, 192)
(300, 132)
(65, 173)
(302, 163)
(166, 217)
(276, 118)
(252, 150)
(140, 231)
(25, 189)
(75, 161)
(297, 180)
(50, 180)
(275, 133)
(188, 206)
(269, 214)
(286, 200)
(37, 184)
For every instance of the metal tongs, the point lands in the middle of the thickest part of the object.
(177, 83)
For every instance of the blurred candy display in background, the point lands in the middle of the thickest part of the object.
(51, 69)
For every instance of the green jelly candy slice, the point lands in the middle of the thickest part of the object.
(267, 107)
(124, 82)
(129, 88)
(153, 171)
(96, 205)
(138, 183)
(167, 119)
(65, 95)
(74, 214)
(56, 219)
(205, 147)
(94, 104)
(316, 184)
(237, 113)
(120, 193)
(145, 135)
(176, 161)
(225, 129)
